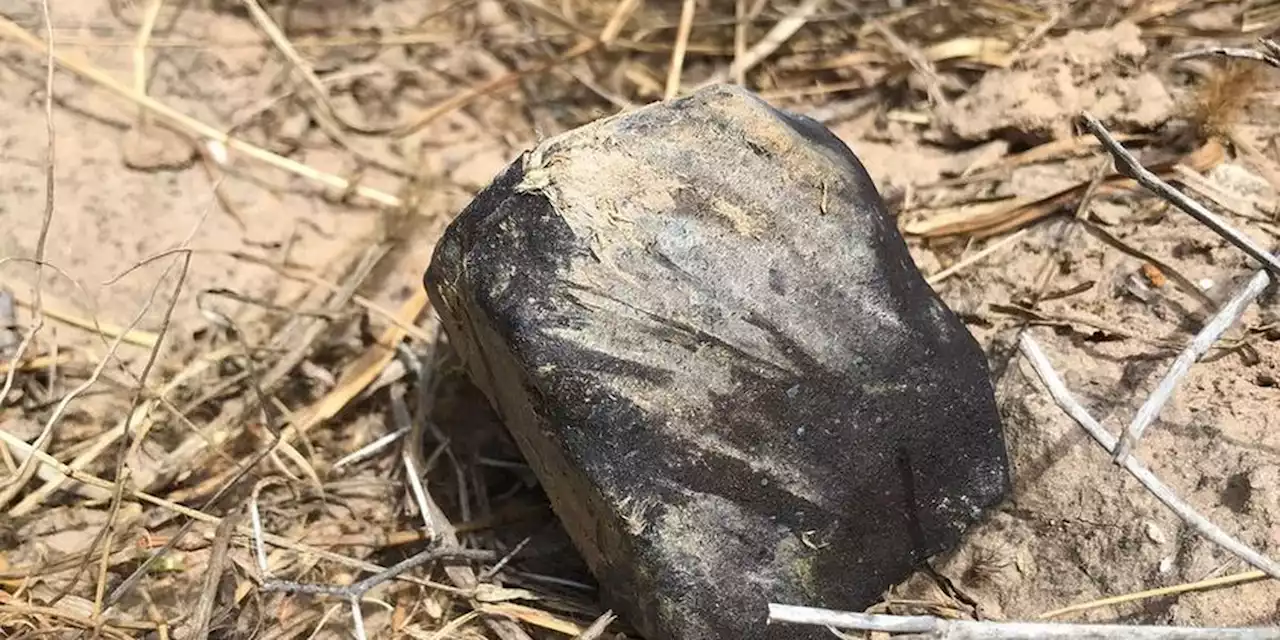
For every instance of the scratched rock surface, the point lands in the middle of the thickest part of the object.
(702, 328)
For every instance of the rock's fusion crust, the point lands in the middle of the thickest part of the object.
(702, 328)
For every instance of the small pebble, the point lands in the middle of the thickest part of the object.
(1154, 533)
(1139, 289)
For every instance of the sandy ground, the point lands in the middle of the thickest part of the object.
(1076, 528)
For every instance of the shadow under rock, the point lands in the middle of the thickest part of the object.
(492, 496)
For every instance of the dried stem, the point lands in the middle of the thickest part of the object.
(1223, 320)
(1129, 166)
(940, 628)
(1266, 53)
(776, 37)
(42, 241)
(1162, 592)
(677, 53)
(90, 72)
(976, 258)
(140, 53)
(1220, 323)
(14, 484)
(434, 518)
(184, 264)
(918, 61)
(212, 578)
(597, 628)
(359, 589)
(1031, 349)
(195, 514)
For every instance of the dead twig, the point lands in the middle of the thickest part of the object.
(1184, 283)
(355, 593)
(597, 628)
(740, 40)
(1032, 315)
(986, 219)
(13, 485)
(1268, 52)
(363, 371)
(1031, 349)
(371, 449)
(10, 609)
(1162, 592)
(434, 518)
(270, 422)
(212, 578)
(359, 589)
(313, 83)
(200, 516)
(99, 444)
(330, 119)
(775, 38)
(1129, 166)
(1219, 324)
(184, 266)
(922, 65)
(976, 258)
(1222, 321)
(303, 332)
(92, 324)
(42, 241)
(607, 36)
(934, 627)
(90, 72)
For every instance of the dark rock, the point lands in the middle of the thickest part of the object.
(705, 333)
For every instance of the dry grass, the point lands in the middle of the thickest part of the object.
(1220, 101)
(262, 401)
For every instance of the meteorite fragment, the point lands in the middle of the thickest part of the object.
(704, 331)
